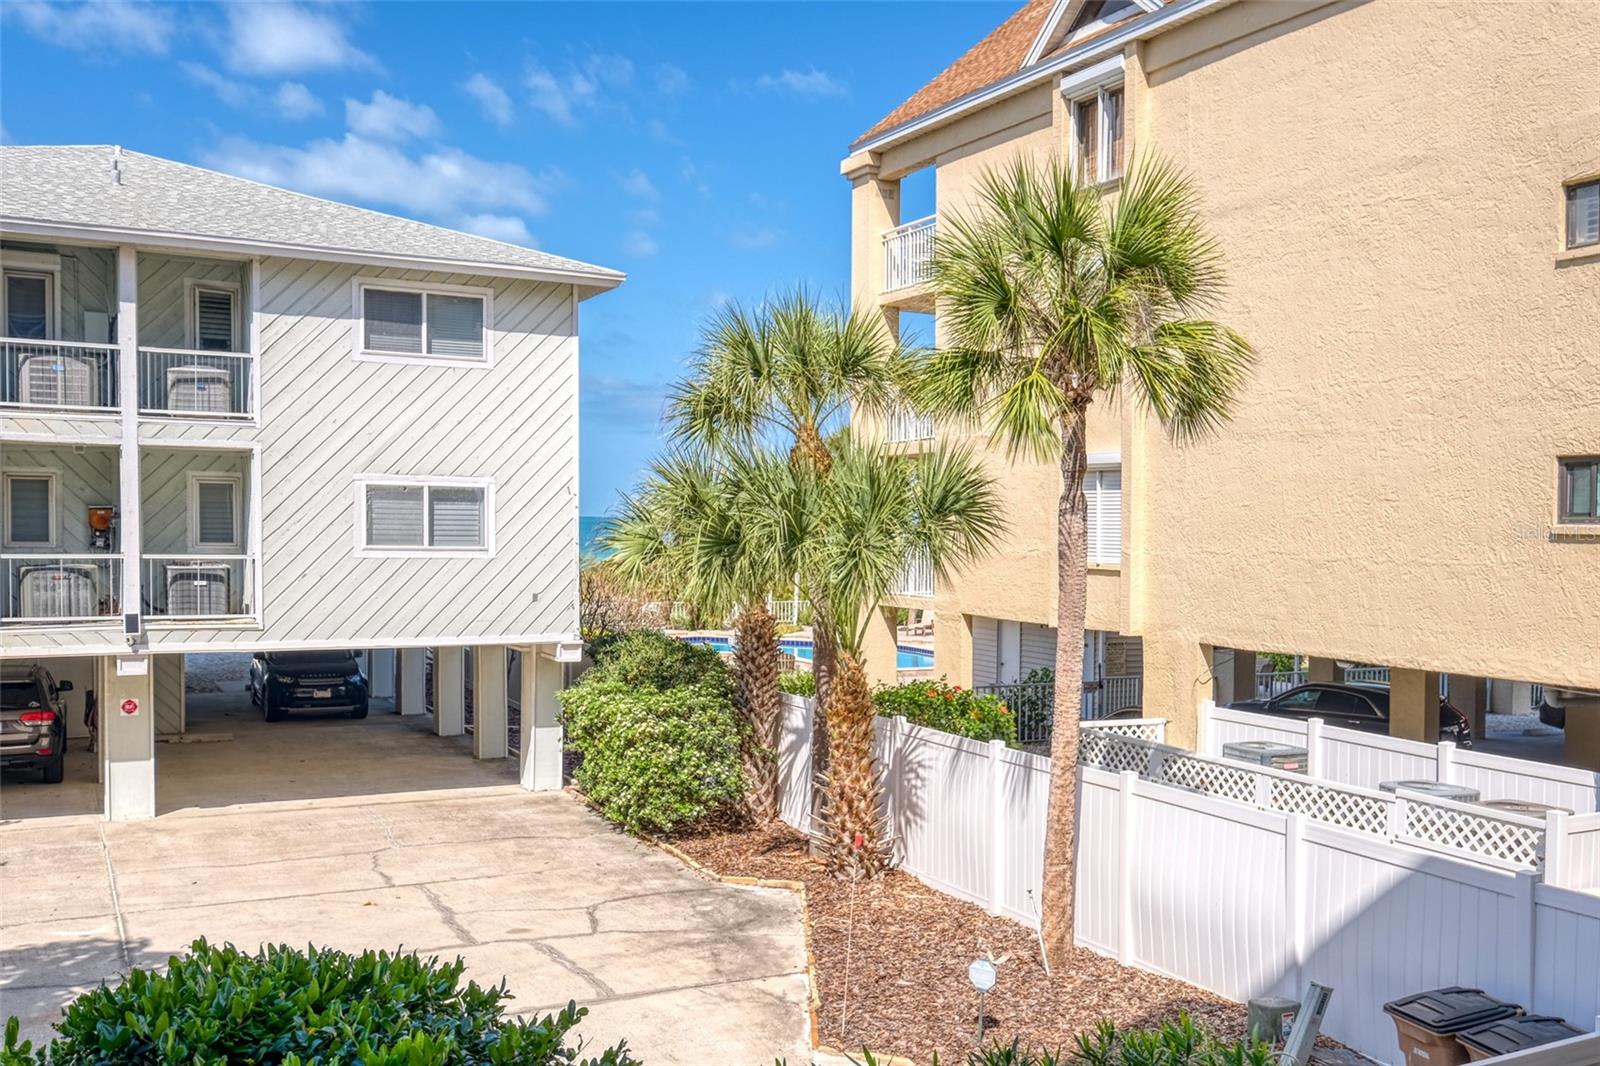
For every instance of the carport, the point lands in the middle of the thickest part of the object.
(178, 735)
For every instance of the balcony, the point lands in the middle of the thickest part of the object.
(906, 426)
(198, 587)
(193, 384)
(50, 375)
(907, 253)
(78, 589)
(916, 575)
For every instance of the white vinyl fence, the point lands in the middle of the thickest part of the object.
(1249, 881)
(1366, 759)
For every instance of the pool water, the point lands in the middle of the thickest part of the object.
(907, 659)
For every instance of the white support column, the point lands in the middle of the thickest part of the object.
(128, 737)
(449, 691)
(412, 697)
(128, 501)
(541, 743)
(489, 701)
(380, 673)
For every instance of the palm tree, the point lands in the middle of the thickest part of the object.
(784, 376)
(682, 530)
(847, 536)
(1051, 298)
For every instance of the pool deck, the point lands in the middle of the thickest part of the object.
(908, 641)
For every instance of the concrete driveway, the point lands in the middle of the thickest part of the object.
(530, 888)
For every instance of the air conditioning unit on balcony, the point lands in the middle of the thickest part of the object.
(59, 591)
(198, 589)
(203, 389)
(53, 379)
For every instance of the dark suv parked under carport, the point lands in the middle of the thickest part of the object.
(284, 681)
(33, 721)
(1364, 707)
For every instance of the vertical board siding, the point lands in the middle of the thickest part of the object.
(1208, 896)
(1367, 759)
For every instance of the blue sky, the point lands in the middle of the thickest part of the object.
(695, 146)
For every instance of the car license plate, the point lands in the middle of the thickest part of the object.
(321, 693)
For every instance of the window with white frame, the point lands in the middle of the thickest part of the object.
(213, 318)
(1102, 491)
(1583, 214)
(29, 305)
(1097, 134)
(30, 510)
(403, 516)
(402, 321)
(214, 513)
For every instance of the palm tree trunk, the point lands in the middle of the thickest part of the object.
(756, 664)
(855, 848)
(1061, 821)
(824, 667)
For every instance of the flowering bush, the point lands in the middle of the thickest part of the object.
(939, 705)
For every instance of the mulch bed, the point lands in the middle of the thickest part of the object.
(891, 960)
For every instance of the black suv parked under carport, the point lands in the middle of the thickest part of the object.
(284, 681)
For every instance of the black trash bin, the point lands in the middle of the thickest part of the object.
(1514, 1034)
(1426, 1023)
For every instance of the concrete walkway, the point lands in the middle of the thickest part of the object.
(530, 888)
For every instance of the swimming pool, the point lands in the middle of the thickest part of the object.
(907, 659)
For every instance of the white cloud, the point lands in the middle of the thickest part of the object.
(494, 100)
(284, 38)
(389, 118)
(583, 85)
(113, 24)
(760, 237)
(508, 228)
(812, 82)
(640, 243)
(671, 80)
(233, 93)
(637, 183)
(647, 216)
(294, 100)
(444, 183)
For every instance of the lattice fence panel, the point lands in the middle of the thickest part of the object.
(1150, 731)
(1348, 810)
(1107, 751)
(1212, 778)
(1521, 845)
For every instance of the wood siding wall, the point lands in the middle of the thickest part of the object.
(84, 478)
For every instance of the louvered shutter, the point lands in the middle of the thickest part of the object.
(28, 510)
(393, 321)
(213, 320)
(455, 517)
(1583, 214)
(215, 518)
(395, 516)
(1114, 133)
(1110, 545)
(1088, 138)
(455, 326)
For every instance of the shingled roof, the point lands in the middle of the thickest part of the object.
(99, 187)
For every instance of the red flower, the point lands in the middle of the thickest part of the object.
(932, 693)
(1004, 709)
(955, 688)
(859, 841)
(948, 697)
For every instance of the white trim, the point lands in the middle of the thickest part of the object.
(363, 550)
(241, 622)
(235, 482)
(191, 315)
(1104, 459)
(52, 505)
(1111, 44)
(1080, 83)
(360, 284)
(1098, 89)
(153, 240)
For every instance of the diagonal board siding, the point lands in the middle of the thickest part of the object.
(87, 284)
(85, 477)
(163, 314)
(164, 477)
(170, 697)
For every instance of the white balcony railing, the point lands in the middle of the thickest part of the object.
(906, 425)
(907, 251)
(58, 375)
(916, 576)
(186, 383)
(58, 589)
(199, 586)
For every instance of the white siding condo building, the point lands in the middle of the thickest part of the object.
(235, 418)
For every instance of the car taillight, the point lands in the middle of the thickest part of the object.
(45, 751)
(37, 717)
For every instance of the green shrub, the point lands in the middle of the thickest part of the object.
(655, 760)
(217, 1005)
(646, 658)
(798, 683)
(939, 705)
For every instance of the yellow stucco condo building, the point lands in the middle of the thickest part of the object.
(1408, 199)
